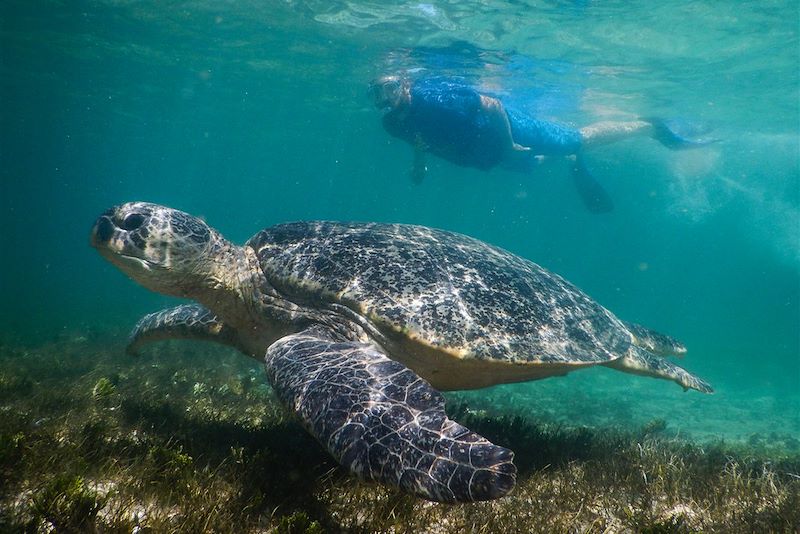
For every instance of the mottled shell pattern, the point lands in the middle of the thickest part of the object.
(454, 293)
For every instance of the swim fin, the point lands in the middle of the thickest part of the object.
(593, 195)
(677, 134)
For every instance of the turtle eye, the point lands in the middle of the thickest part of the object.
(132, 222)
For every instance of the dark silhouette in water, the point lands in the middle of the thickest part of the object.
(451, 119)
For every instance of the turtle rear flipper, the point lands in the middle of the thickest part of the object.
(189, 321)
(383, 422)
(655, 342)
(640, 362)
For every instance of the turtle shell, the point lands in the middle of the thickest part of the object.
(451, 293)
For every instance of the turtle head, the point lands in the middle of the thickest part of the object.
(163, 249)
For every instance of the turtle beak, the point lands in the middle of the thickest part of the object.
(109, 238)
(102, 231)
(115, 243)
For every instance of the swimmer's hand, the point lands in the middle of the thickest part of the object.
(418, 173)
(520, 148)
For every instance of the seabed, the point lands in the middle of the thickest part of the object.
(189, 438)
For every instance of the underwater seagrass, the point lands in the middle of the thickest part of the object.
(361, 323)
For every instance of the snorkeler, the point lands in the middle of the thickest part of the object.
(451, 119)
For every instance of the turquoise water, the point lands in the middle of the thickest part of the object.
(255, 113)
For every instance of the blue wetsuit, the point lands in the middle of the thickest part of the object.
(543, 137)
(445, 118)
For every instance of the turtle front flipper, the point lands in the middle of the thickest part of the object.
(383, 422)
(190, 321)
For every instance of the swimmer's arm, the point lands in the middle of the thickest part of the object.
(497, 114)
(419, 168)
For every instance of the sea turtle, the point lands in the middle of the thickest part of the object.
(361, 323)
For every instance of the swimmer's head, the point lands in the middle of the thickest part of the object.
(389, 91)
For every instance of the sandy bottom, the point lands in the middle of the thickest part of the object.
(603, 397)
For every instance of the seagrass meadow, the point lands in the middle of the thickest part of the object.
(159, 444)
(251, 114)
